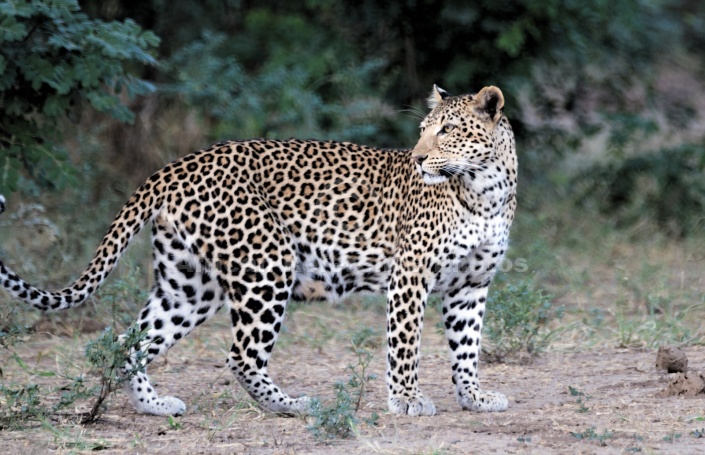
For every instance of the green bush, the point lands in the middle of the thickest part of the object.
(108, 353)
(516, 321)
(307, 83)
(338, 420)
(53, 58)
(21, 403)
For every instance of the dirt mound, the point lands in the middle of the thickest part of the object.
(690, 384)
(672, 359)
(685, 383)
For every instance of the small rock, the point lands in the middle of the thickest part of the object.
(672, 359)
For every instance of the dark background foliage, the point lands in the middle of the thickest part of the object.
(620, 77)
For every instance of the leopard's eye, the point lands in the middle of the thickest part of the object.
(447, 128)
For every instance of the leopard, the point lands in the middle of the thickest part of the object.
(251, 225)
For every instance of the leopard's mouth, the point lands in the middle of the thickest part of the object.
(448, 170)
(441, 174)
(433, 179)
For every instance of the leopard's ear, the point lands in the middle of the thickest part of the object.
(489, 103)
(437, 95)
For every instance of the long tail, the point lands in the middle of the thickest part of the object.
(140, 209)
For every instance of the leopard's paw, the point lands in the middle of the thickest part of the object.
(417, 405)
(301, 405)
(162, 406)
(484, 401)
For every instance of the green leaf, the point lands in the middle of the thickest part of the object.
(512, 39)
(9, 173)
(55, 106)
(11, 30)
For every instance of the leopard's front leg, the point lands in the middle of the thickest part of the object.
(406, 300)
(463, 309)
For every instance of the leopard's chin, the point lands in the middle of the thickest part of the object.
(433, 179)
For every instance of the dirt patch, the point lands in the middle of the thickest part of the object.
(66, 327)
(565, 402)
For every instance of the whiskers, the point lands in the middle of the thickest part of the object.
(460, 167)
(413, 112)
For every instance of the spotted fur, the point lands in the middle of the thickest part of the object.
(253, 224)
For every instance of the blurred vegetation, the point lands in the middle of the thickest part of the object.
(666, 186)
(53, 60)
(589, 84)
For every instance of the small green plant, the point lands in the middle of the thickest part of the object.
(173, 423)
(20, 405)
(672, 437)
(11, 335)
(108, 354)
(359, 378)
(339, 420)
(517, 321)
(77, 390)
(335, 421)
(603, 437)
(592, 435)
(137, 442)
(587, 434)
(524, 439)
(635, 448)
(580, 400)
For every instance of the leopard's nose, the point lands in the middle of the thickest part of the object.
(420, 158)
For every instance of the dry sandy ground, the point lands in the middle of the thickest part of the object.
(619, 403)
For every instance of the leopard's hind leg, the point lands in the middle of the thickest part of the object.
(259, 292)
(257, 317)
(186, 294)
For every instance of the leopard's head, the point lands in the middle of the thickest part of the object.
(457, 136)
